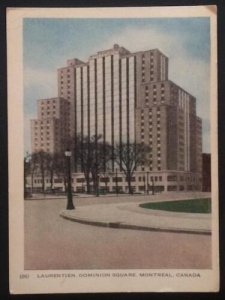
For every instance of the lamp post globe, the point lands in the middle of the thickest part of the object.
(69, 188)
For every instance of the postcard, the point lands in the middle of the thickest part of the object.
(113, 167)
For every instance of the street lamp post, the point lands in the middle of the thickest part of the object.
(153, 188)
(144, 184)
(147, 183)
(69, 189)
(97, 187)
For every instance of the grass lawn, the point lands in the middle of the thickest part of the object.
(190, 205)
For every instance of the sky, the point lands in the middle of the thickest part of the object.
(48, 43)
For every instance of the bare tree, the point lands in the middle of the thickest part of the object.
(129, 157)
(30, 167)
(102, 156)
(55, 166)
(27, 171)
(41, 158)
(92, 155)
(60, 167)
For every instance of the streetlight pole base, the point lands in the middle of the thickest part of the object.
(70, 207)
(70, 204)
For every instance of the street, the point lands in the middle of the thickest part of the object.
(52, 242)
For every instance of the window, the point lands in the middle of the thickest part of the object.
(104, 179)
(171, 177)
(117, 179)
(58, 180)
(80, 180)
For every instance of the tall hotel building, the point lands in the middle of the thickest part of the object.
(127, 97)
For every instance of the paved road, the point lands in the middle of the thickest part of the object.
(54, 243)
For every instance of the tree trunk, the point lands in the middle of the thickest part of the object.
(130, 190)
(32, 182)
(95, 183)
(43, 181)
(87, 178)
(51, 179)
(129, 178)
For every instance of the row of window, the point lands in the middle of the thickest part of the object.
(121, 179)
(44, 102)
(48, 107)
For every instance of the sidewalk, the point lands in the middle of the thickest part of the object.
(131, 216)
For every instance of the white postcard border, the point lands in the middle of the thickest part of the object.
(62, 281)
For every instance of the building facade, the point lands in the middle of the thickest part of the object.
(51, 128)
(128, 97)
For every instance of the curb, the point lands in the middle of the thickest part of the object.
(120, 225)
